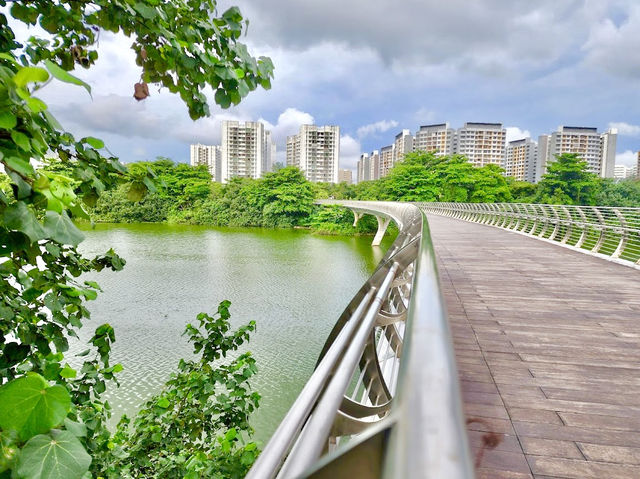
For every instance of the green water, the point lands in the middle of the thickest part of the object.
(292, 283)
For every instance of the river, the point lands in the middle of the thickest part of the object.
(292, 283)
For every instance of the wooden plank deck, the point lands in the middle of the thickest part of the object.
(548, 348)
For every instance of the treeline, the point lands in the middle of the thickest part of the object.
(285, 198)
(186, 194)
(426, 177)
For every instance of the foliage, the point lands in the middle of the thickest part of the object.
(335, 220)
(568, 182)
(521, 191)
(193, 427)
(182, 45)
(619, 193)
(426, 177)
(281, 199)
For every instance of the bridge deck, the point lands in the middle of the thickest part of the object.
(548, 348)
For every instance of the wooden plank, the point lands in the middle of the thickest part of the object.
(548, 349)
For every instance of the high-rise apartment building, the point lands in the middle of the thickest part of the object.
(269, 154)
(597, 149)
(481, 143)
(386, 159)
(363, 168)
(402, 145)
(374, 165)
(520, 159)
(246, 150)
(345, 176)
(638, 166)
(436, 138)
(622, 172)
(316, 151)
(208, 155)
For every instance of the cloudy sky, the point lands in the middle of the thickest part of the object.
(374, 67)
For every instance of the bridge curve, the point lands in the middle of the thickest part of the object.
(546, 341)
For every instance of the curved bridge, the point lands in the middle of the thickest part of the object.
(546, 345)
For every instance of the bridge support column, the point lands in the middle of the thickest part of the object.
(383, 222)
(356, 217)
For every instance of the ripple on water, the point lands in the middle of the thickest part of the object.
(293, 284)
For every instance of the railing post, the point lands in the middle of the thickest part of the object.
(624, 235)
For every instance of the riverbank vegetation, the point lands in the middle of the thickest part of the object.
(53, 416)
(286, 199)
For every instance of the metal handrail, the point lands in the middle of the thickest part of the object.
(609, 232)
(384, 399)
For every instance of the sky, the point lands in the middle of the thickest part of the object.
(375, 67)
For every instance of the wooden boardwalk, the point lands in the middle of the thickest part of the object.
(548, 348)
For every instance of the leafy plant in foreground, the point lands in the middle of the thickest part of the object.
(197, 426)
(182, 45)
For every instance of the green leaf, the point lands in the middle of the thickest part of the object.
(58, 455)
(65, 76)
(29, 406)
(95, 142)
(52, 119)
(146, 11)
(68, 372)
(137, 191)
(30, 75)
(8, 120)
(76, 428)
(23, 188)
(21, 166)
(21, 140)
(19, 217)
(36, 105)
(163, 403)
(222, 98)
(60, 228)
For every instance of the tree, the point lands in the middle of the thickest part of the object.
(426, 177)
(619, 193)
(182, 45)
(568, 181)
(288, 197)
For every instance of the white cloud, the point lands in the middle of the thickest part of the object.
(515, 133)
(289, 122)
(627, 158)
(350, 150)
(377, 127)
(625, 129)
(615, 47)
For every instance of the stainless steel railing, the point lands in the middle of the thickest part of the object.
(609, 232)
(384, 399)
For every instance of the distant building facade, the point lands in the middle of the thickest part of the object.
(245, 151)
(482, 143)
(622, 172)
(208, 155)
(363, 169)
(345, 176)
(520, 159)
(386, 159)
(374, 165)
(437, 138)
(597, 149)
(402, 145)
(316, 151)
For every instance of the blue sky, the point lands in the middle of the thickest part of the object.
(374, 67)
